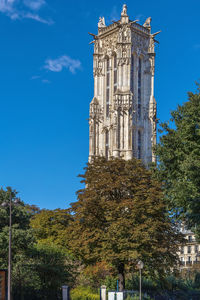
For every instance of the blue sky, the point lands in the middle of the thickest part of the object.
(46, 84)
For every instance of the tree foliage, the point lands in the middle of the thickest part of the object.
(120, 217)
(22, 234)
(38, 270)
(179, 160)
(50, 227)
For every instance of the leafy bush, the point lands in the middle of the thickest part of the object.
(83, 293)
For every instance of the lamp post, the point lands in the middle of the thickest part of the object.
(140, 266)
(5, 204)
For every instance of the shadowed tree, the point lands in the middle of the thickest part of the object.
(179, 161)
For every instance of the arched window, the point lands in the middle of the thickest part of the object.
(106, 143)
(139, 145)
(107, 87)
(115, 73)
(139, 87)
(132, 73)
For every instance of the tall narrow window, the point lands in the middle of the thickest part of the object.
(189, 238)
(132, 73)
(94, 136)
(106, 144)
(139, 144)
(115, 73)
(107, 88)
(139, 87)
(119, 129)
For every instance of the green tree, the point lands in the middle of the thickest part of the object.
(179, 161)
(38, 270)
(120, 217)
(22, 234)
(50, 226)
(41, 274)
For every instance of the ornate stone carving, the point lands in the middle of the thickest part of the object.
(125, 55)
(151, 48)
(98, 46)
(124, 10)
(96, 112)
(98, 71)
(147, 23)
(109, 43)
(123, 101)
(101, 23)
(124, 35)
(152, 65)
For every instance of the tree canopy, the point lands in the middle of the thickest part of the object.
(38, 269)
(179, 161)
(120, 217)
(50, 227)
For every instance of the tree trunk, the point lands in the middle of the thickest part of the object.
(121, 277)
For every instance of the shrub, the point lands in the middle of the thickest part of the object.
(83, 293)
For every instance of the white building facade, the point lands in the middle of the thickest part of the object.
(189, 253)
(123, 111)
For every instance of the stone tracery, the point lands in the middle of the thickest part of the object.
(122, 40)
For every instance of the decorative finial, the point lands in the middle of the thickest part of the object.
(147, 23)
(101, 23)
(124, 10)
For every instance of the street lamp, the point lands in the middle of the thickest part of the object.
(140, 266)
(14, 201)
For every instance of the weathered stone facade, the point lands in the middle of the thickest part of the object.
(123, 111)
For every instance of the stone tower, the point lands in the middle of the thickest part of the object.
(123, 111)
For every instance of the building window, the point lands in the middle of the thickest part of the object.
(139, 145)
(107, 87)
(139, 87)
(189, 238)
(115, 73)
(189, 259)
(189, 249)
(107, 144)
(94, 136)
(196, 248)
(119, 129)
(182, 250)
(132, 74)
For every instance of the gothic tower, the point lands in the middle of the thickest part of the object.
(123, 111)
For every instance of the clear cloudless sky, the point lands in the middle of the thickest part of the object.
(46, 84)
